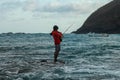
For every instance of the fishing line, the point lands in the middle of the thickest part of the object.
(68, 28)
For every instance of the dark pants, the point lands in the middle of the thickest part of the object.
(57, 50)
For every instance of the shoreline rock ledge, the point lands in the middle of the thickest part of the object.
(105, 20)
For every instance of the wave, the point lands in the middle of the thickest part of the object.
(85, 57)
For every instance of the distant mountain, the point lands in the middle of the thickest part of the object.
(105, 20)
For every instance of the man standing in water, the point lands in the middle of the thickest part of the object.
(57, 36)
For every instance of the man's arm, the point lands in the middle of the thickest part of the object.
(61, 36)
(50, 33)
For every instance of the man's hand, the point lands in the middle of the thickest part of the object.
(50, 33)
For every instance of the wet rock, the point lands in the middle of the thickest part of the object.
(24, 70)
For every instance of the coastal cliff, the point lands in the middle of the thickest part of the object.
(105, 20)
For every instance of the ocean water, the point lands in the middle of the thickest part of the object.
(85, 57)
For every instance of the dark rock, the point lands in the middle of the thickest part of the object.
(43, 60)
(105, 20)
(24, 70)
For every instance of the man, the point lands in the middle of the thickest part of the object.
(57, 36)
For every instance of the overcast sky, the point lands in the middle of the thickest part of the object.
(39, 16)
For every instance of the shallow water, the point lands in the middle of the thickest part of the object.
(86, 58)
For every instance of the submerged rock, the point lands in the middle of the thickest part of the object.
(105, 20)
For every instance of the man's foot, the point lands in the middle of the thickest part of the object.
(55, 60)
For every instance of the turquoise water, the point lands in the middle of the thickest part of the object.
(86, 58)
